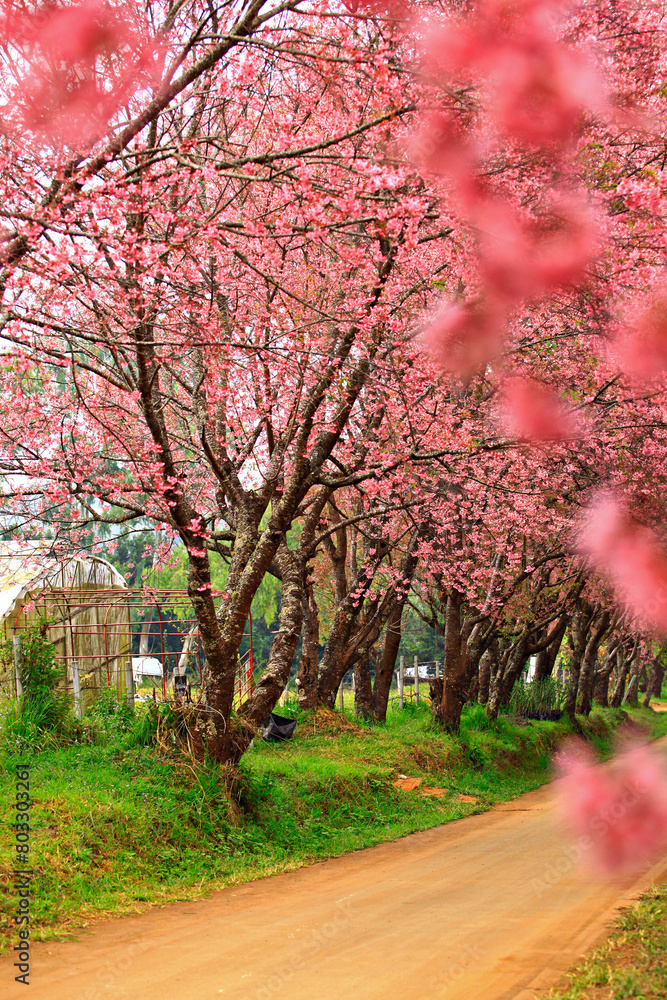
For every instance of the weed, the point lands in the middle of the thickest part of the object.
(537, 700)
(631, 963)
(43, 713)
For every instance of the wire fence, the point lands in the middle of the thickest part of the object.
(122, 639)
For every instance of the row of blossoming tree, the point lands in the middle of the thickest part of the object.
(369, 294)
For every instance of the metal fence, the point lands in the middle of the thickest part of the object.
(114, 638)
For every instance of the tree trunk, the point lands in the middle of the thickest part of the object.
(578, 634)
(620, 674)
(515, 664)
(602, 675)
(275, 677)
(499, 659)
(631, 696)
(455, 673)
(385, 665)
(484, 676)
(384, 671)
(435, 694)
(589, 660)
(655, 679)
(363, 694)
(306, 681)
(546, 658)
(337, 657)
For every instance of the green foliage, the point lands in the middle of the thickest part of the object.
(110, 715)
(42, 715)
(536, 700)
(39, 672)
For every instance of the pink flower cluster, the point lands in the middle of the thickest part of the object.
(641, 343)
(532, 412)
(76, 65)
(619, 813)
(534, 89)
(630, 556)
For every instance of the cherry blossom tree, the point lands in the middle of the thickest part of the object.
(207, 309)
(280, 278)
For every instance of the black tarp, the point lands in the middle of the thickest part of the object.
(277, 728)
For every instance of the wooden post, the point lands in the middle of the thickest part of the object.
(416, 662)
(18, 664)
(437, 669)
(341, 703)
(76, 681)
(401, 675)
(129, 682)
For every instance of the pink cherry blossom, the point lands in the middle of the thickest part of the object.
(541, 92)
(618, 812)
(630, 556)
(523, 258)
(393, 9)
(439, 145)
(641, 344)
(81, 62)
(532, 412)
(464, 337)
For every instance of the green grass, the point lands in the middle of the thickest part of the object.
(116, 827)
(631, 965)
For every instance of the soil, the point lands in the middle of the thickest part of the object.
(490, 907)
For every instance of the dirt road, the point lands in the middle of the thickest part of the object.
(483, 909)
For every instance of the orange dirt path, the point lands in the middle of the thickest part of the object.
(486, 908)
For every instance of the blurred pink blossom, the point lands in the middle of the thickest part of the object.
(620, 812)
(463, 337)
(538, 86)
(540, 92)
(440, 146)
(630, 556)
(641, 347)
(532, 412)
(449, 47)
(81, 62)
(523, 258)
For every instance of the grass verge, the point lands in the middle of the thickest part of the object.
(117, 827)
(631, 965)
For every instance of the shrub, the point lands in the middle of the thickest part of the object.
(537, 700)
(42, 715)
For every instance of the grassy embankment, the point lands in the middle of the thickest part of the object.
(631, 965)
(117, 826)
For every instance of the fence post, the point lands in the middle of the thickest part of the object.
(76, 683)
(437, 669)
(129, 681)
(401, 675)
(341, 703)
(416, 662)
(18, 663)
